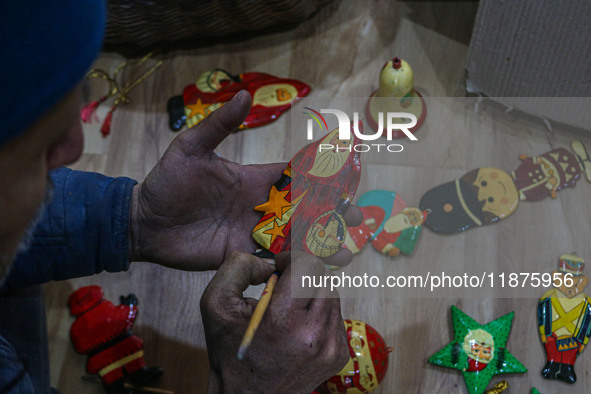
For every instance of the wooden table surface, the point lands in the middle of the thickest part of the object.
(339, 52)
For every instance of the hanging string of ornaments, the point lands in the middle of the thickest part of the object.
(117, 88)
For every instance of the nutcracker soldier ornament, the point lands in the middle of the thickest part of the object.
(305, 206)
(367, 365)
(540, 176)
(487, 195)
(564, 317)
(480, 197)
(102, 331)
(271, 96)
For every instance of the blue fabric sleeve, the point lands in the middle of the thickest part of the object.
(83, 230)
(14, 379)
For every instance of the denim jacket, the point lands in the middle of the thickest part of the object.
(83, 231)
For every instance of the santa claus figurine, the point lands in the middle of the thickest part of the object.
(357, 237)
(391, 226)
(400, 232)
(102, 331)
(479, 346)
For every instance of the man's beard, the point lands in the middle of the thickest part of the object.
(6, 260)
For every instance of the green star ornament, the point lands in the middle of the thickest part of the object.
(534, 391)
(478, 350)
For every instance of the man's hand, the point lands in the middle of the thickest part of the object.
(300, 342)
(195, 208)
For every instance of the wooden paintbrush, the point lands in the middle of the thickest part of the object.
(258, 314)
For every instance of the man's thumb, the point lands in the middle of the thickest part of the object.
(211, 131)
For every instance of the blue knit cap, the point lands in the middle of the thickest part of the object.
(47, 47)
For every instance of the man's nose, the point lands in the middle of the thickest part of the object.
(69, 149)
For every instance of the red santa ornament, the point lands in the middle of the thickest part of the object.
(305, 206)
(102, 331)
(368, 363)
(388, 222)
(271, 95)
(357, 237)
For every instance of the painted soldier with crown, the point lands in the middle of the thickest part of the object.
(564, 317)
(540, 176)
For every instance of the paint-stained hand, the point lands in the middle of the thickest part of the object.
(300, 342)
(195, 208)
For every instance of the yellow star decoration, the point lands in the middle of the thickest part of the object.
(264, 230)
(198, 108)
(276, 205)
(276, 231)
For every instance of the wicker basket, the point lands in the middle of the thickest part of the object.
(146, 23)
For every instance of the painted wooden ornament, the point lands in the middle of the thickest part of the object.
(391, 226)
(538, 177)
(486, 195)
(478, 350)
(564, 317)
(103, 332)
(306, 204)
(271, 96)
(357, 237)
(480, 197)
(367, 365)
(396, 93)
